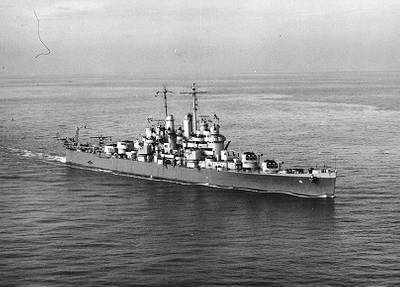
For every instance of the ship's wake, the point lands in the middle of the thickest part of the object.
(37, 155)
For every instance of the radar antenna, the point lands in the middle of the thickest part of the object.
(194, 93)
(164, 92)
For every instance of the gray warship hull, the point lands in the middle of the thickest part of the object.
(294, 184)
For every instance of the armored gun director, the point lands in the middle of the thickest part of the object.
(196, 153)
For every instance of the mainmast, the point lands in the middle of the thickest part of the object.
(194, 93)
(164, 92)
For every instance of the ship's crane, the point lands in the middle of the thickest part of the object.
(77, 132)
(68, 142)
(164, 92)
(194, 93)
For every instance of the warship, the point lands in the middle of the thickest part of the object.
(197, 153)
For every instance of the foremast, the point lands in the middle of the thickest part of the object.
(164, 92)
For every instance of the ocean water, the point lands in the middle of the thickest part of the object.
(64, 226)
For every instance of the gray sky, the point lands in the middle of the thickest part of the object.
(198, 37)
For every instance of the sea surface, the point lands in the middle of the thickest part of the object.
(63, 226)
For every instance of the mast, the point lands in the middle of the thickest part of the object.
(194, 93)
(164, 92)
